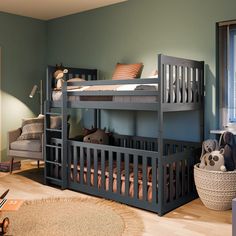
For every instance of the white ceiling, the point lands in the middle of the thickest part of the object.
(49, 9)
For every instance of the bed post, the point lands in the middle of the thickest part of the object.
(202, 102)
(65, 171)
(160, 136)
(48, 87)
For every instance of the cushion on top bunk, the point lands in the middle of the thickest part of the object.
(127, 71)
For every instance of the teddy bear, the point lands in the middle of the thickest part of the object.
(58, 75)
(208, 146)
(227, 143)
(213, 161)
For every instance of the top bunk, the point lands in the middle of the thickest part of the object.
(178, 87)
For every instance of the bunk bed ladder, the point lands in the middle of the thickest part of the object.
(55, 143)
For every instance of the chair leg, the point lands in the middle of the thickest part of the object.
(11, 164)
(38, 163)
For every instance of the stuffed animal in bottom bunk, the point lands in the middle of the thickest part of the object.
(213, 161)
(58, 75)
(98, 137)
(228, 144)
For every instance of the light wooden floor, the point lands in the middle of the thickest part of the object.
(192, 219)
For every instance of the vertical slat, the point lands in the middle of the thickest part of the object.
(171, 83)
(188, 176)
(50, 169)
(183, 177)
(81, 176)
(164, 79)
(177, 188)
(95, 174)
(126, 174)
(194, 86)
(171, 182)
(144, 170)
(56, 160)
(154, 180)
(103, 169)
(88, 166)
(110, 171)
(70, 173)
(177, 85)
(75, 161)
(183, 85)
(118, 162)
(189, 85)
(199, 81)
(135, 176)
(165, 190)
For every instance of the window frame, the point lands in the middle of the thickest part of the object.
(223, 60)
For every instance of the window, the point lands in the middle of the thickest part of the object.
(226, 72)
(232, 76)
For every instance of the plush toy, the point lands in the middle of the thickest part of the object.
(59, 74)
(98, 137)
(227, 143)
(213, 161)
(208, 146)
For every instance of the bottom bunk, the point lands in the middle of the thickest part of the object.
(130, 171)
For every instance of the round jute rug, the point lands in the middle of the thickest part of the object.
(73, 216)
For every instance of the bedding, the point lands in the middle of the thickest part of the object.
(57, 95)
(114, 179)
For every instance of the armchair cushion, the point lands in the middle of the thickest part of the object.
(32, 128)
(27, 145)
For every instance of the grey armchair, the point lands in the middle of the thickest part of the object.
(23, 149)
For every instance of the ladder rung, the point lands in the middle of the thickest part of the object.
(53, 146)
(53, 162)
(53, 113)
(55, 130)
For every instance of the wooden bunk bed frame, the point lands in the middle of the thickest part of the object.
(89, 168)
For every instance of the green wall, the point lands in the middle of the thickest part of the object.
(136, 31)
(132, 31)
(23, 43)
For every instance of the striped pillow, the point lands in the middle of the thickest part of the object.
(127, 71)
(32, 128)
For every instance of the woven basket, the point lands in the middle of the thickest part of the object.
(216, 189)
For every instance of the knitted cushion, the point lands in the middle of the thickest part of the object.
(127, 71)
(32, 128)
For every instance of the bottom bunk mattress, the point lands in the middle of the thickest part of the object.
(75, 177)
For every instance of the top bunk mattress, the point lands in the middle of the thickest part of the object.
(57, 95)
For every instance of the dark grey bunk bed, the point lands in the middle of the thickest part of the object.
(149, 173)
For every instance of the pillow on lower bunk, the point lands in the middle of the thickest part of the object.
(127, 71)
(32, 128)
